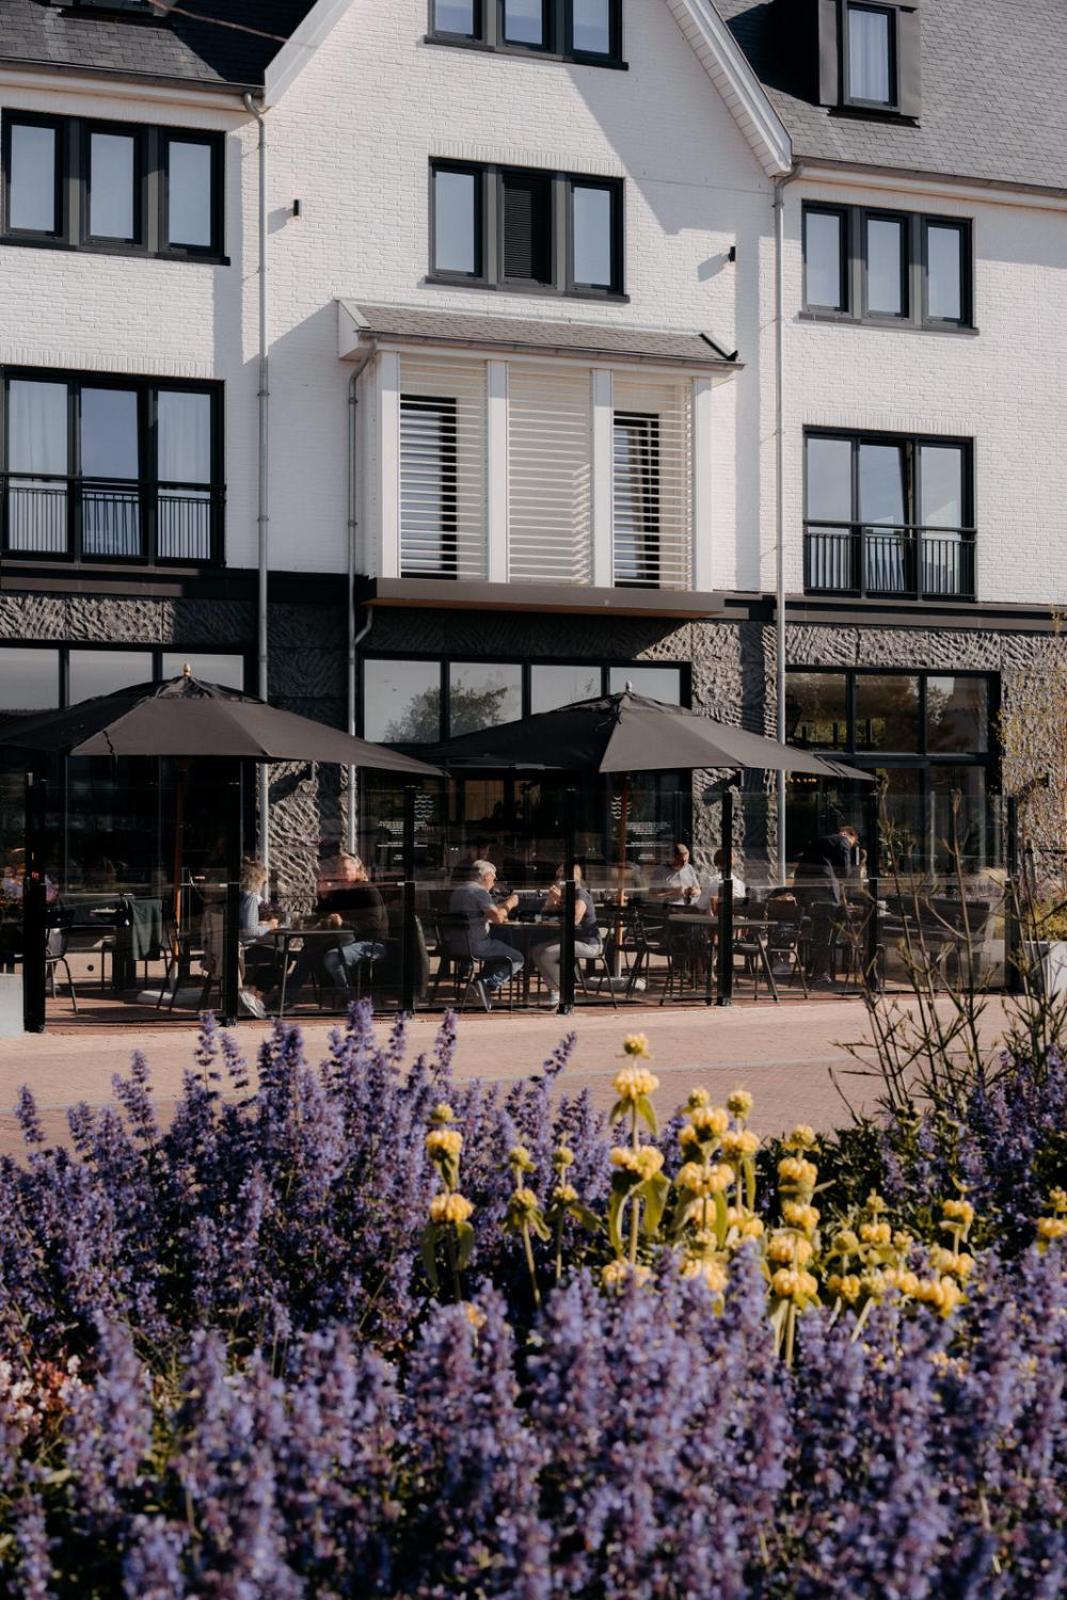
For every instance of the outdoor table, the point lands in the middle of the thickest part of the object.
(754, 925)
(283, 938)
(526, 936)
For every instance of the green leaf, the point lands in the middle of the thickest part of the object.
(655, 1192)
(619, 1110)
(681, 1215)
(646, 1110)
(749, 1167)
(540, 1227)
(615, 1205)
(722, 1224)
(429, 1253)
(464, 1243)
(582, 1214)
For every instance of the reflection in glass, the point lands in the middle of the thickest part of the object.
(658, 683)
(402, 701)
(32, 183)
(887, 712)
(455, 16)
(111, 514)
(882, 484)
(816, 710)
(94, 672)
(961, 827)
(455, 222)
(483, 695)
(869, 74)
(37, 445)
(592, 232)
(552, 686)
(112, 175)
(190, 208)
(944, 271)
(29, 679)
(592, 26)
(885, 258)
(524, 22)
(941, 486)
(823, 254)
(829, 480)
(183, 422)
(957, 715)
(229, 671)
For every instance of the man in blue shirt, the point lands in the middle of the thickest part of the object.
(474, 903)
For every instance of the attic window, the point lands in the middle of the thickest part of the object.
(870, 33)
(870, 56)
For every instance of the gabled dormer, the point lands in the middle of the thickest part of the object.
(865, 55)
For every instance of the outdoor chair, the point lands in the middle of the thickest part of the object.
(453, 939)
(55, 957)
(784, 939)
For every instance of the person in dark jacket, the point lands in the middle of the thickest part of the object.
(826, 865)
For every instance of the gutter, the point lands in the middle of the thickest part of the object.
(156, 80)
(779, 495)
(263, 495)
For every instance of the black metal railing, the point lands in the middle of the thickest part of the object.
(889, 563)
(92, 519)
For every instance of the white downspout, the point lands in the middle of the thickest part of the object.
(263, 511)
(779, 508)
(354, 639)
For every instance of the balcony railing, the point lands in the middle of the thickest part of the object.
(889, 563)
(94, 520)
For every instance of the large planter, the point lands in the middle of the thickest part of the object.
(1054, 966)
(10, 1005)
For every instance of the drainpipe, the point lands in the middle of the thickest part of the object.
(354, 639)
(779, 507)
(263, 511)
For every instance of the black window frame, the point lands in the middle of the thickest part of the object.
(914, 546)
(73, 172)
(488, 35)
(892, 105)
(146, 488)
(899, 220)
(915, 267)
(490, 179)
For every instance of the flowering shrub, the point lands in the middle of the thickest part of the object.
(366, 1331)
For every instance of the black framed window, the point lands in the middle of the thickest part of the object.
(870, 55)
(889, 515)
(636, 500)
(586, 31)
(429, 487)
(110, 469)
(112, 186)
(526, 230)
(890, 267)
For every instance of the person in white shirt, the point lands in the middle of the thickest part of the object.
(676, 883)
(708, 898)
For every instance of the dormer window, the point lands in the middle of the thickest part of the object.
(869, 56)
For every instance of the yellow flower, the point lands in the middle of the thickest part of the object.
(566, 1194)
(691, 1177)
(1052, 1227)
(711, 1120)
(688, 1135)
(1058, 1199)
(563, 1157)
(955, 1264)
(452, 1208)
(617, 1273)
(748, 1226)
(444, 1142)
(800, 1216)
(846, 1243)
(636, 1044)
(712, 1272)
(876, 1233)
(649, 1161)
(632, 1083)
(740, 1102)
(950, 1296)
(697, 1180)
(442, 1113)
(519, 1158)
(790, 1249)
(622, 1156)
(958, 1211)
(803, 1174)
(898, 1278)
(902, 1241)
(875, 1203)
(789, 1284)
(847, 1287)
(524, 1200)
(801, 1138)
(740, 1143)
(698, 1097)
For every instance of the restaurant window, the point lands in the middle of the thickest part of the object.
(587, 31)
(29, 679)
(533, 230)
(209, 667)
(117, 469)
(658, 683)
(552, 686)
(112, 186)
(889, 515)
(816, 710)
(401, 701)
(887, 266)
(482, 695)
(96, 672)
(636, 518)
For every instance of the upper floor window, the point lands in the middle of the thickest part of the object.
(511, 228)
(588, 31)
(889, 515)
(111, 186)
(869, 56)
(104, 468)
(887, 266)
(870, 65)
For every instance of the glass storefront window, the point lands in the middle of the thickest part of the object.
(94, 672)
(29, 679)
(957, 715)
(658, 683)
(552, 686)
(483, 695)
(402, 701)
(887, 712)
(229, 671)
(816, 710)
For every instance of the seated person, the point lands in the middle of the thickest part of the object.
(677, 882)
(587, 940)
(473, 903)
(260, 966)
(708, 898)
(349, 902)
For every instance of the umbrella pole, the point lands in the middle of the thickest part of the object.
(409, 941)
(620, 899)
(34, 907)
(231, 937)
(726, 900)
(179, 829)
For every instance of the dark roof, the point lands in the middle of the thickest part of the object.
(994, 91)
(418, 325)
(184, 47)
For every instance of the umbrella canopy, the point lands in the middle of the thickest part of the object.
(629, 733)
(184, 717)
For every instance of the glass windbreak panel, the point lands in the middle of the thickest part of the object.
(552, 686)
(658, 683)
(37, 455)
(402, 701)
(112, 186)
(94, 672)
(482, 695)
(885, 266)
(824, 248)
(229, 671)
(29, 679)
(32, 180)
(592, 214)
(944, 272)
(887, 712)
(455, 16)
(829, 491)
(190, 198)
(869, 66)
(941, 486)
(455, 232)
(957, 715)
(524, 22)
(591, 32)
(962, 832)
(816, 710)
